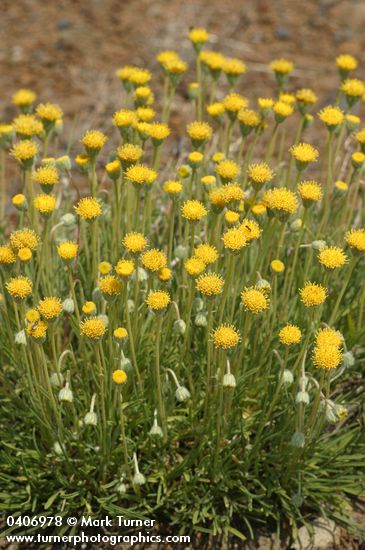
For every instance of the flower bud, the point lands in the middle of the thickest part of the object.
(319, 245)
(287, 377)
(298, 439)
(104, 318)
(68, 220)
(200, 320)
(130, 306)
(68, 305)
(64, 163)
(57, 380)
(229, 381)
(139, 479)
(125, 364)
(302, 397)
(57, 448)
(179, 326)
(348, 359)
(296, 225)
(181, 252)
(121, 488)
(263, 284)
(199, 304)
(182, 394)
(90, 419)
(66, 394)
(156, 431)
(141, 274)
(20, 338)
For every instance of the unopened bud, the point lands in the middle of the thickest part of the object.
(348, 359)
(298, 439)
(20, 338)
(182, 394)
(180, 326)
(68, 305)
(287, 377)
(302, 397)
(229, 381)
(68, 220)
(181, 252)
(319, 245)
(201, 320)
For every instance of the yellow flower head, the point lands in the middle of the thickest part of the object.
(304, 153)
(50, 308)
(24, 238)
(124, 118)
(145, 114)
(88, 208)
(327, 357)
(277, 266)
(113, 169)
(172, 187)
(25, 254)
(228, 170)
(32, 316)
(251, 230)
(120, 334)
(27, 126)
(7, 256)
(231, 217)
(306, 96)
(110, 286)
(193, 210)
(254, 300)
(198, 35)
(175, 66)
(259, 174)
(341, 186)
(282, 110)
(258, 209)
(89, 308)
(313, 294)
(281, 201)
(215, 109)
(355, 238)
(233, 67)
(104, 268)
(135, 243)
(119, 376)
(329, 337)
(212, 60)
(124, 268)
(23, 98)
(37, 331)
(232, 193)
(45, 204)
(199, 132)
(207, 181)
(141, 175)
(234, 239)
(49, 112)
(332, 257)
(358, 159)
(289, 335)
(195, 158)
(158, 131)
(165, 274)
(287, 98)
(225, 337)
(154, 260)
(210, 284)
(158, 300)
(19, 201)
(265, 104)
(194, 266)
(331, 116)
(139, 77)
(207, 253)
(310, 192)
(360, 137)
(24, 151)
(282, 66)
(346, 63)
(67, 250)
(19, 287)
(46, 176)
(93, 141)
(234, 102)
(93, 328)
(248, 119)
(82, 161)
(353, 87)
(129, 153)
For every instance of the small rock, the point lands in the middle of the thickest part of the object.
(282, 33)
(63, 24)
(325, 536)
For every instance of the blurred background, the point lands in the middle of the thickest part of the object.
(68, 51)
